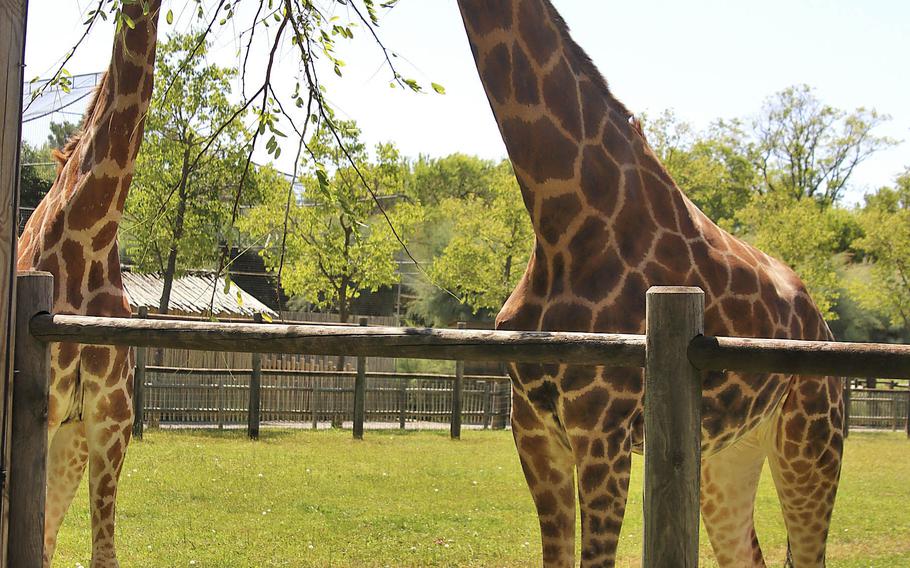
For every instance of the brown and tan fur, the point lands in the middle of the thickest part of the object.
(73, 235)
(609, 223)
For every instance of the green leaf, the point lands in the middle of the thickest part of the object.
(170, 17)
(438, 88)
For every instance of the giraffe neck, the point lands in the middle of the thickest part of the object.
(569, 139)
(96, 166)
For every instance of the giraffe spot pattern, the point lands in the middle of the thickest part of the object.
(600, 179)
(596, 267)
(540, 149)
(556, 214)
(524, 83)
(566, 316)
(562, 99)
(484, 17)
(497, 71)
(540, 38)
(92, 202)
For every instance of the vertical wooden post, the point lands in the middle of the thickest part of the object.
(487, 404)
(28, 469)
(139, 385)
(848, 387)
(220, 400)
(252, 427)
(360, 385)
(314, 401)
(12, 59)
(907, 425)
(457, 390)
(675, 315)
(896, 417)
(402, 402)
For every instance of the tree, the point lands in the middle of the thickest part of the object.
(714, 168)
(179, 207)
(337, 243)
(806, 236)
(35, 178)
(60, 133)
(885, 220)
(38, 169)
(808, 149)
(490, 245)
(456, 175)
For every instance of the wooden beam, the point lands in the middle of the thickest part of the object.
(255, 400)
(618, 350)
(457, 391)
(672, 428)
(28, 471)
(139, 386)
(831, 358)
(360, 385)
(12, 53)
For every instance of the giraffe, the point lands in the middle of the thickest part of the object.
(73, 235)
(609, 222)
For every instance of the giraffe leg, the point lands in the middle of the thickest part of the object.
(729, 482)
(108, 419)
(67, 454)
(604, 463)
(546, 460)
(805, 459)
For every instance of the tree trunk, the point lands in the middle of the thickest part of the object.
(343, 312)
(171, 268)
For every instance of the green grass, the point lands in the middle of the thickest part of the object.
(302, 498)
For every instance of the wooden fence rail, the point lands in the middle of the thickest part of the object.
(673, 352)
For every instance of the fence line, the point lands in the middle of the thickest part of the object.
(676, 356)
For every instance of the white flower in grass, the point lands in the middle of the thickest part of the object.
(192, 562)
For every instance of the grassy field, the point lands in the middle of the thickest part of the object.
(302, 498)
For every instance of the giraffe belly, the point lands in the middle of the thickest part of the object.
(66, 389)
(588, 398)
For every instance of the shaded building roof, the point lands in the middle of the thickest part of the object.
(192, 294)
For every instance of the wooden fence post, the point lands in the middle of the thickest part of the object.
(139, 385)
(457, 390)
(252, 427)
(908, 412)
(360, 385)
(675, 315)
(848, 387)
(402, 402)
(487, 404)
(28, 467)
(12, 52)
(314, 402)
(219, 395)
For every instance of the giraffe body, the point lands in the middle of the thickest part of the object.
(609, 223)
(73, 235)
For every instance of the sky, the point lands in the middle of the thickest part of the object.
(704, 59)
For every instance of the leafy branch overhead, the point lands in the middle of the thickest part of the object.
(313, 30)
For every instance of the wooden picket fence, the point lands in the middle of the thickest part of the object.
(219, 397)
